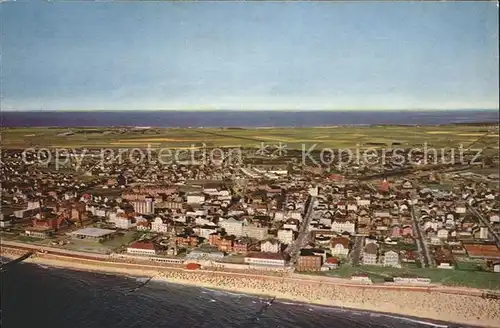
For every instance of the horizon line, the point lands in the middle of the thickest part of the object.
(246, 110)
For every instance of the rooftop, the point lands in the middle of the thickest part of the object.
(93, 232)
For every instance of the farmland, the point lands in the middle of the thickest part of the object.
(334, 137)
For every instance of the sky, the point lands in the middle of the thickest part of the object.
(249, 55)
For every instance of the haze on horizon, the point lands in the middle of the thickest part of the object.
(249, 55)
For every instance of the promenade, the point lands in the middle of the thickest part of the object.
(459, 305)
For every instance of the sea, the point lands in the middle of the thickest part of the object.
(232, 118)
(33, 295)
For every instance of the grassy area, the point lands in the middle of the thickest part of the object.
(119, 241)
(331, 137)
(468, 276)
(27, 239)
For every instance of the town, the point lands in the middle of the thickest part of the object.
(374, 223)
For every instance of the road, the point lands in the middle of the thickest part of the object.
(421, 244)
(486, 223)
(356, 249)
(294, 249)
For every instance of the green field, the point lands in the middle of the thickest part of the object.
(324, 137)
(467, 277)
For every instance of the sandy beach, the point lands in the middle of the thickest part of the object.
(463, 309)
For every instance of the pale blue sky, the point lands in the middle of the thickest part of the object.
(253, 55)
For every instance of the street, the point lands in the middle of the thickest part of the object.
(421, 243)
(356, 249)
(294, 249)
(486, 223)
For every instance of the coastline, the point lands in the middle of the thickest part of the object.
(433, 305)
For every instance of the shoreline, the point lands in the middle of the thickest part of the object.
(417, 305)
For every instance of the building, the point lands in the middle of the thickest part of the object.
(285, 236)
(158, 225)
(205, 231)
(39, 232)
(370, 252)
(92, 234)
(307, 261)
(339, 246)
(254, 231)
(391, 258)
(483, 233)
(340, 226)
(443, 233)
(205, 253)
(265, 259)
(270, 246)
(142, 248)
(122, 221)
(232, 227)
(241, 247)
(145, 206)
(195, 199)
(331, 263)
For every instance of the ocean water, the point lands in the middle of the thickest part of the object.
(230, 118)
(39, 296)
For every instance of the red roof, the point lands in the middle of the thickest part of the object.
(384, 186)
(142, 245)
(336, 177)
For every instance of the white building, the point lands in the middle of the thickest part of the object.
(142, 248)
(200, 220)
(195, 199)
(285, 236)
(483, 233)
(270, 246)
(232, 227)
(145, 206)
(265, 259)
(159, 226)
(33, 205)
(391, 258)
(253, 231)
(339, 246)
(291, 226)
(363, 202)
(352, 207)
(443, 233)
(205, 231)
(295, 215)
(460, 209)
(341, 226)
(124, 222)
